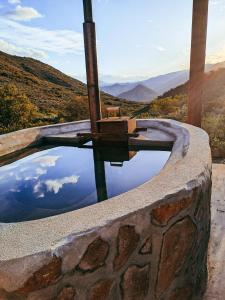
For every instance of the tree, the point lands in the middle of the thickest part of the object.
(16, 110)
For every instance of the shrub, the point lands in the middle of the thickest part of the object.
(16, 110)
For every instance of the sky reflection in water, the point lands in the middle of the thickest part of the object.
(62, 179)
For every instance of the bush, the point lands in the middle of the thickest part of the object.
(16, 110)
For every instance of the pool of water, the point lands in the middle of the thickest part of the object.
(62, 179)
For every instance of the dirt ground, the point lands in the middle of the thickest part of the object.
(216, 259)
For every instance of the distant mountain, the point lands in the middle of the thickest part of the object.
(50, 90)
(163, 83)
(139, 93)
(118, 88)
(160, 84)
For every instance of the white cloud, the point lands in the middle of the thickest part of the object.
(20, 51)
(37, 187)
(23, 13)
(38, 173)
(14, 1)
(46, 161)
(160, 48)
(55, 41)
(53, 185)
(56, 185)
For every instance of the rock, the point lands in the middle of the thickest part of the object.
(177, 244)
(43, 278)
(162, 215)
(95, 256)
(127, 242)
(67, 293)
(135, 283)
(184, 293)
(101, 290)
(147, 247)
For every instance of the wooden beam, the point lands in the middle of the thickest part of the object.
(197, 64)
(91, 65)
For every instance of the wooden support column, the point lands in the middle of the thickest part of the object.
(91, 66)
(197, 65)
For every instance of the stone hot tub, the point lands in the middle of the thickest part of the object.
(148, 243)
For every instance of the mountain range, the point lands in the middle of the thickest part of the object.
(159, 84)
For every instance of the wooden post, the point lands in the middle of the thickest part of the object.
(197, 65)
(91, 65)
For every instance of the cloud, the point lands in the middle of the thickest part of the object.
(20, 51)
(53, 185)
(46, 161)
(160, 48)
(23, 13)
(38, 173)
(14, 1)
(56, 185)
(35, 169)
(42, 40)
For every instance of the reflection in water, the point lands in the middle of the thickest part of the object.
(63, 179)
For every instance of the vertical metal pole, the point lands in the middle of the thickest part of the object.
(91, 65)
(197, 65)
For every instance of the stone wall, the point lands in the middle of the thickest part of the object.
(157, 250)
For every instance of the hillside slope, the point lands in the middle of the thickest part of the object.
(50, 90)
(173, 104)
(213, 91)
(139, 93)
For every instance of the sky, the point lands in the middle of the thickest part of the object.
(136, 39)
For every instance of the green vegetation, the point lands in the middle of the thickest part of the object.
(58, 97)
(17, 111)
(213, 118)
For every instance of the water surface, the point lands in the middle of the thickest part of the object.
(63, 179)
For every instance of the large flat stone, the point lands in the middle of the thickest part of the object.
(95, 256)
(127, 242)
(177, 243)
(135, 283)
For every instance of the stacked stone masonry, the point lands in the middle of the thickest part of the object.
(131, 264)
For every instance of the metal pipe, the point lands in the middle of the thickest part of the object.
(91, 65)
(197, 63)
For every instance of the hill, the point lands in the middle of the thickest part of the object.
(213, 91)
(139, 93)
(173, 104)
(55, 94)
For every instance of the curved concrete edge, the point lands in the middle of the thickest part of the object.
(18, 140)
(25, 247)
